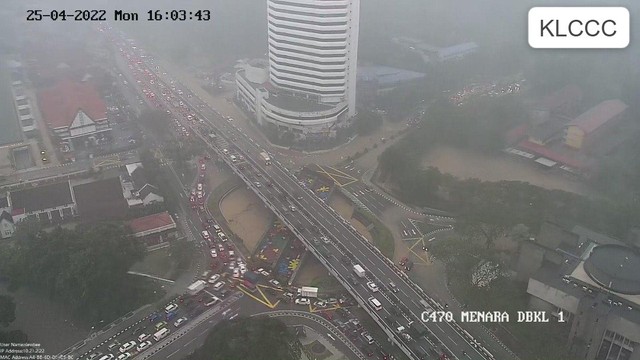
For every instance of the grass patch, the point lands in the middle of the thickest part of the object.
(218, 193)
(309, 350)
(213, 205)
(157, 263)
(380, 234)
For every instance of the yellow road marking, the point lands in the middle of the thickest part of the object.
(336, 174)
(266, 303)
(419, 257)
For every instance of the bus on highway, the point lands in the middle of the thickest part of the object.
(161, 334)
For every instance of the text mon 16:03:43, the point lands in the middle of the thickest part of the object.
(118, 15)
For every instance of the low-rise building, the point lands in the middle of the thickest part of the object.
(7, 226)
(305, 116)
(136, 188)
(154, 229)
(100, 200)
(593, 124)
(75, 114)
(592, 282)
(49, 203)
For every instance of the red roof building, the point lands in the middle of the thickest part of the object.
(74, 111)
(582, 129)
(154, 229)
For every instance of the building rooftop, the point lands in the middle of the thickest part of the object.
(102, 199)
(456, 50)
(616, 268)
(295, 103)
(548, 130)
(6, 216)
(42, 197)
(540, 150)
(4, 202)
(598, 115)
(61, 103)
(152, 223)
(387, 76)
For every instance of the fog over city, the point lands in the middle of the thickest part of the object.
(319, 179)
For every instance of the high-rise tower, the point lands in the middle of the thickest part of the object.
(313, 48)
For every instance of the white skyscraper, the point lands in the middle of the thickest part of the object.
(313, 47)
(307, 86)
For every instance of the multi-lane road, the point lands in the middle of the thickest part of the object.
(310, 217)
(314, 215)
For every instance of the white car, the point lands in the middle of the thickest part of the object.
(372, 286)
(219, 285)
(169, 308)
(320, 304)
(199, 186)
(180, 322)
(127, 346)
(274, 282)
(143, 337)
(123, 356)
(236, 273)
(214, 254)
(143, 346)
(214, 278)
(258, 185)
(205, 234)
(303, 301)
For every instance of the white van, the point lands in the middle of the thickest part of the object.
(375, 303)
(161, 334)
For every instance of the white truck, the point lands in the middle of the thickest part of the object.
(196, 287)
(358, 270)
(427, 308)
(266, 158)
(307, 291)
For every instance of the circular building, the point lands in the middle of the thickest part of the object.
(616, 268)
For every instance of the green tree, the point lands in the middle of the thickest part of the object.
(257, 338)
(7, 310)
(7, 316)
(84, 269)
(180, 252)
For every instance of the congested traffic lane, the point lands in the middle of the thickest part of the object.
(379, 266)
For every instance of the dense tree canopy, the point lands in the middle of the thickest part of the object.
(489, 209)
(258, 338)
(85, 269)
(7, 310)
